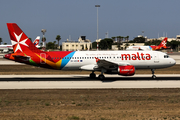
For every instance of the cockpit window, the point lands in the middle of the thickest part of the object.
(166, 56)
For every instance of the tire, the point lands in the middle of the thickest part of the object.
(154, 77)
(101, 77)
(92, 75)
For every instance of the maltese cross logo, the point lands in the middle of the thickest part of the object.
(164, 43)
(19, 42)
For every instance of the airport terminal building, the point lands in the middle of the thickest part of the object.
(81, 44)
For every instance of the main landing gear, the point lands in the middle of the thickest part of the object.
(101, 76)
(153, 76)
(92, 75)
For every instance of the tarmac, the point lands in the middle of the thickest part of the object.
(84, 82)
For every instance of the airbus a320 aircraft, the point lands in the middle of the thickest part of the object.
(162, 45)
(36, 42)
(109, 62)
(7, 48)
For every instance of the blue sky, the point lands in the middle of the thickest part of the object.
(79, 17)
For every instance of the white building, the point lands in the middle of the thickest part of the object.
(124, 45)
(98, 40)
(81, 44)
(162, 38)
(178, 37)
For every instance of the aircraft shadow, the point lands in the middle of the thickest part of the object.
(80, 78)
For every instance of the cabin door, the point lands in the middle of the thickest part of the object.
(156, 58)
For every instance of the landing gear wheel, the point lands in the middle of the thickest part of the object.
(101, 77)
(153, 76)
(92, 75)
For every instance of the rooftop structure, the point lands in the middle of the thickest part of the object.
(81, 44)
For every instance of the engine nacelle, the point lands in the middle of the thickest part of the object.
(128, 70)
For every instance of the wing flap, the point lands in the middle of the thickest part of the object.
(110, 64)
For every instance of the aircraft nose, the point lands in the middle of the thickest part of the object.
(7, 56)
(173, 62)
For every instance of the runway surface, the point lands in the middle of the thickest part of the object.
(84, 82)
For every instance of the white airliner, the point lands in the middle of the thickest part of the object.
(7, 48)
(110, 62)
(137, 48)
(162, 45)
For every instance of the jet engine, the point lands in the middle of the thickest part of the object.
(128, 70)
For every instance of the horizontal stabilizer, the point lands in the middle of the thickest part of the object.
(19, 56)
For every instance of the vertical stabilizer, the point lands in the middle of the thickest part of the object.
(36, 41)
(20, 42)
(163, 43)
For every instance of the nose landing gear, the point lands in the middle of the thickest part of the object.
(153, 76)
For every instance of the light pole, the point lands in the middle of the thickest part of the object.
(43, 32)
(143, 33)
(97, 25)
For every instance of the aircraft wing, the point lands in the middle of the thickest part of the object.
(110, 64)
(106, 64)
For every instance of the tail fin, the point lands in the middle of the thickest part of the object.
(20, 42)
(163, 43)
(36, 41)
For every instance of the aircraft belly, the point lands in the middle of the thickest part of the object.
(142, 64)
